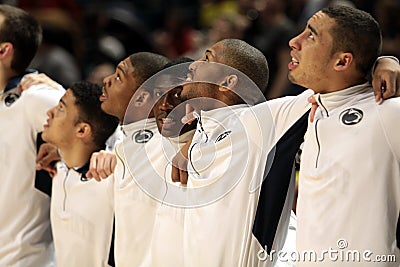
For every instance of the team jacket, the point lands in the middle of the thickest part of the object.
(133, 209)
(25, 235)
(81, 217)
(349, 186)
(230, 157)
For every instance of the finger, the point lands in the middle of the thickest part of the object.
(183, 176)
(113, 164)
(109, 165)
(389, 88)
(88, 174)
(175, 174)
(52, 173)
(101, 166)
(50, 157)
(93, 167)
(188, 118)
(20, 89)
(38, 167)
(41, 153)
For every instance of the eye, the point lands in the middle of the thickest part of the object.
(117, 78)
(177, 95)
(310, 36)
(60, 107)
(206, 58)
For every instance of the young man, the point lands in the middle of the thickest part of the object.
(25, 235)
(349, 185)
(81, 209)
(256, 211)
(121, 91)
(158, 230)
(223, 190)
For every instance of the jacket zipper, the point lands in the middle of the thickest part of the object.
(319, 146)
(65, 189)
(316, 130)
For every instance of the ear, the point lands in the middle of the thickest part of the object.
(344, 61)
(83, 130)
(229, 82)
(6, 49)
(141, 98)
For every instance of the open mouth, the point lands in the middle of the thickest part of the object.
(293, 63)
(103, 95)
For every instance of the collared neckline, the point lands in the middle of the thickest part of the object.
(328, 102)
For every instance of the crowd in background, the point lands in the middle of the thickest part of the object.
(85, 39)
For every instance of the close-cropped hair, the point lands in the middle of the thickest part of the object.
(247, 59)
(89, 106)
(24, 32)
(146, 64)
(357, 32)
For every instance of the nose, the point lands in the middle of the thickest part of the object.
(50, 112)
(165, 103)
(294, 43)
(107, 81)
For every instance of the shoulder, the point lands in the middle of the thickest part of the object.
(42, 92)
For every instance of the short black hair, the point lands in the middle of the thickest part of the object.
(247, 59)
(357, 32)
(88, 103)
(24, 32)
(146, 64)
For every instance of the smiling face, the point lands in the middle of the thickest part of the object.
(312, 61)
(62, 121)
(118, 89)
(169, 111)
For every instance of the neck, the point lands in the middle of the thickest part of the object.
(76, 155)
(5, 76)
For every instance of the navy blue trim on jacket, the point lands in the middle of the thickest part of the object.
(276, 184)
(43, 181)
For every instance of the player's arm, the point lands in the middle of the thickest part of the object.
(32, 79)
(102, 165)
(46, 157)
(179, 164)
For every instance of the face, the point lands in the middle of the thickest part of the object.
(312, 61)
(118, 89)
(201, 71)
(62, 121)
(169, 110)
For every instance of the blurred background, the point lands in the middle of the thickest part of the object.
(85, 39)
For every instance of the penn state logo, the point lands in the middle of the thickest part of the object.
(10, 99)
(351, 116)
(222, 136)
(142, 136)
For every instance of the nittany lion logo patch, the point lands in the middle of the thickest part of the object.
(10, 99)
(222, 136)
(142, 136)
(351, 116)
